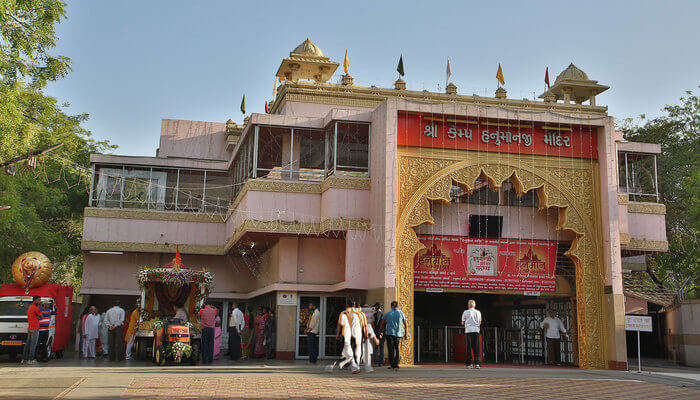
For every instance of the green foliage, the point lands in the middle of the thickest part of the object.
(677, 131)
(46, 203)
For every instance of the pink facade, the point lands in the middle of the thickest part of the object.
(313, 208)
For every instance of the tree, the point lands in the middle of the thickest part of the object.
(46, 203)
(677, 131)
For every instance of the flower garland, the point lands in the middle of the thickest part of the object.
(174, 276)
(177, 350)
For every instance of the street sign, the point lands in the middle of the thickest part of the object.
(638, 323)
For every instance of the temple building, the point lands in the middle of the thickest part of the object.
(346, 194)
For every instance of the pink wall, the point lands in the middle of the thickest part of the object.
(106, 273)
(151, 231)
(647, 226)
(348, 203)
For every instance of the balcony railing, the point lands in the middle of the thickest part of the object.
(160, 189)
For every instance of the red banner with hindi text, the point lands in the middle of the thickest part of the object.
(459, 262)
(521, 137)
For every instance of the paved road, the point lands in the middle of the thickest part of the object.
(279, 380)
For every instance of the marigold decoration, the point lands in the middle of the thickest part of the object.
(177, 350)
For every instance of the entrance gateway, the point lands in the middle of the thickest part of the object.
(506, 215)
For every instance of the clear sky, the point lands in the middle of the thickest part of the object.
(135, 62)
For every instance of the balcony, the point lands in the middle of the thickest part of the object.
(642, 217)
(302, 154)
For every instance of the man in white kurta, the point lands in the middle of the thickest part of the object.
(358, 334)
(344, 329)
(91, 333)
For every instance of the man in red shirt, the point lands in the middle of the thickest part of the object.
(33, 316)
(207, 317)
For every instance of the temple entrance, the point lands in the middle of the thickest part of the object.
(510, 334)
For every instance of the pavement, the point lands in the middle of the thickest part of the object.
(82, 379)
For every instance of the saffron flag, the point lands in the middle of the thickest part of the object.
(267, 108)
(499, 75)
(546, 77)
(448, 72)
(274, 89)
(346, 63)
(243, 105)
(399, 68)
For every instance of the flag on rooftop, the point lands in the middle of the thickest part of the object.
(546, 77)
(499, 75)
(243, 105)
(448, 72)
(346, 63)
(399, 68)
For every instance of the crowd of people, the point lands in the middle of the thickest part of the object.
(251, 335)
(104, 333)
(362, 331)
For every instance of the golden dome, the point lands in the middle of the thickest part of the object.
(308, 48)
(572, 73)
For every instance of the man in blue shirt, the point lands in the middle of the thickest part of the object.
(394, 328)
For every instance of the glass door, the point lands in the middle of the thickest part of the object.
(303, 317)
(330, 308)
(330, 346)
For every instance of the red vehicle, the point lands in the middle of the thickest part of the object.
(14, 302)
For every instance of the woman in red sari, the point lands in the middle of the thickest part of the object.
(260, 333)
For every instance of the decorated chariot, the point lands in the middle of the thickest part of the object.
(171, 296)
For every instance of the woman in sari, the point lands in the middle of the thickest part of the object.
(260, 320)
(247, 334)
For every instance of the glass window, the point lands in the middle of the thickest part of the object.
(190, 191)
(639, 173)
(217, 192)
(273, 144)
(109, 184)
(353, 146)
(529, 199)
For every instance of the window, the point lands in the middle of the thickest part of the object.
(637, 176)
(529, 199)
(485, 226)
(353, 146)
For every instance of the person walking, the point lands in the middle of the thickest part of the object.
(91, 333)
(312, 330)
(236, 323)
(553, 327)
(394, 327)
(378, 348)
(131, 330)
(33, 317)
(471, 320)
(115, 323)
(344, 328)
(207, 318)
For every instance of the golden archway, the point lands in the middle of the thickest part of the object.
(568, 185)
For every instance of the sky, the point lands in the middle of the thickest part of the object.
(136, 62)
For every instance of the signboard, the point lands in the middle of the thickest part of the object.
(521, 137)
(457, 262)
(638, 323)
(286, 298)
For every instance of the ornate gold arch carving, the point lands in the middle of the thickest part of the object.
(570, 186)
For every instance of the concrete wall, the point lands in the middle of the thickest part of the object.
(683, 338)
(115, 273)
(193, 139)
(647, 226)
(153, 231)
